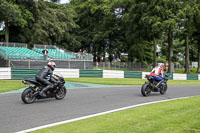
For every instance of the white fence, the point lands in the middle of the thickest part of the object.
(179, 76)
(5, 73)
(67, 73)
(113, 74)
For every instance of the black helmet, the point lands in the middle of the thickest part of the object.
(52, 65)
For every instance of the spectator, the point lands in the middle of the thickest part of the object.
(84, 54)
(45, 53)
(80, 54)
(1, 43)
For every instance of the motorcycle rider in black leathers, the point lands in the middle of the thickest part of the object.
(42, 77)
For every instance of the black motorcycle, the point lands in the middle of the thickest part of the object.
(31, 93)
(150, 86)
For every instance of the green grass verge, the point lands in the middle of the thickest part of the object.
(178, 116)
(107, 81)
(9, 85)
(128, 81)
(192, 70)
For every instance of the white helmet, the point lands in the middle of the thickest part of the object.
(161, 65)
(52, 65)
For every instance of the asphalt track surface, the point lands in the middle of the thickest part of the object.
(16, 116)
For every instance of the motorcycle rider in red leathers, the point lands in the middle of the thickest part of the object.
(158, 74)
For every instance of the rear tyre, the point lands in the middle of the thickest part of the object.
(28, 96)
(145, 90)
(61, 93)
(163, 89)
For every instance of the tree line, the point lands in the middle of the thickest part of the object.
(109, 27)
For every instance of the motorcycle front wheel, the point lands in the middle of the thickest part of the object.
(28, 96)
(60, 93)
(163, 89)
(145, 90)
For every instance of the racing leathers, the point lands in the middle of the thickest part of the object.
(42, 78)
(158, 74)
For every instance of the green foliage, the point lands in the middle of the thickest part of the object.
(161, 60)
(9, 11)
(193, 70)
(53, 23)
(106, 27)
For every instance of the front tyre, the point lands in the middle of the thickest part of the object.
(145, 90)
(60, 93)
(163, 89)
(28, 96)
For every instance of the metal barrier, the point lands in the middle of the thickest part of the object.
(91, 73)
(80, 56)
(192, 76)
(17, 73)
(37, 64)
(131, 66)
(13, 44)
(132, 74)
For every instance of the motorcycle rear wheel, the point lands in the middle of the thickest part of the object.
(61, 93)
(27, 96)
(145, 90)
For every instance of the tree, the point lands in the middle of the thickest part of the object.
(152, 23)
(136, 32)
(187, 28)
(53, 22)
(9, 13)
(23, 32)
(98, 30)
(196, 33)
(169, 25)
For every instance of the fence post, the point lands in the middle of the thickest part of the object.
(96, 65)
(84, 64)
(29, 63)
(103, 65)
(8, 62)
(69, 64)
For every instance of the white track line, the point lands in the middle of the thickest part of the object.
(98, 114)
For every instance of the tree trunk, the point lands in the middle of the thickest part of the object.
(198, 69)
(130, 57)
(170, 50)
(154, 52)
(95, 58)
(7, 33)
(187, 60)
(104, 56)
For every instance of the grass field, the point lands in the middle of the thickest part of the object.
(128, 81)
(192, 70)
(9, 85)
(178, 116)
